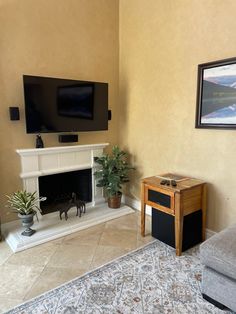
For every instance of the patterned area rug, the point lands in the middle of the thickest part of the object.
(150, 280)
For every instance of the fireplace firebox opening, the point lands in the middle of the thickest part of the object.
(58, 189)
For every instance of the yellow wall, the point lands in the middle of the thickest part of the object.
(161, 44)
(68, 39)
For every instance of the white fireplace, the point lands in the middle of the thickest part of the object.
(54, 160)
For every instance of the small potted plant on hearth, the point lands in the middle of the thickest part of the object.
(26, 205)
(113, 172)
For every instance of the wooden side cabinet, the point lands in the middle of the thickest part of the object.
(187, 197)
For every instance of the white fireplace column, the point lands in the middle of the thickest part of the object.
(52, 160)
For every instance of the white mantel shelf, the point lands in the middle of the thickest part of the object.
(59, 149)
(38, 162)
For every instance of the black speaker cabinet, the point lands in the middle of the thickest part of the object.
(68, 138)
(163, 228)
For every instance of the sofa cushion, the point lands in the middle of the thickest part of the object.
(219, 252)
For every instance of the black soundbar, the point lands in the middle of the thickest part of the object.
(68, 138)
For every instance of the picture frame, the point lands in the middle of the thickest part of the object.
(216, 95)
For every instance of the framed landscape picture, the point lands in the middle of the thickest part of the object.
(216, 95)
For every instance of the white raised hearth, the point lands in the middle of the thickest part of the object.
(50, 227)
(54, 160)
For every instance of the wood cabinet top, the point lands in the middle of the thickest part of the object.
(183, 182)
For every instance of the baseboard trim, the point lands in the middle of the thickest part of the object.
(136, 204)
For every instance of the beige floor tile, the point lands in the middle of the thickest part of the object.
(148, 225)
(138, 213)
(46, 266)
(144, 240)
(57, 241)
(90, 236)
(52, 277)
(7, 304)
(148, 219)
(124, 222)
(73, 256)
(37, 256)
(5, 252)
(17, 281)
(105, 254)
(123, 238)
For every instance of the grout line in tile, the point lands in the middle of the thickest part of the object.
(98, 243)
(57, 248)
(34, 282)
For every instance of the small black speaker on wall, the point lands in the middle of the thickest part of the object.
(68, 138)
(14, 113)
(109, 114)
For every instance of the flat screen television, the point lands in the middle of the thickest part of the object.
(62, 105)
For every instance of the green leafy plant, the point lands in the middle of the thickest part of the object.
(113, 171)
(24, 203)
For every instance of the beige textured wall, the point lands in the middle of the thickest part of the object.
(161, 44)
(68, 39)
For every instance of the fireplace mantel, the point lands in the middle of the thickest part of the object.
(52, 160)
(59, 149)
(44, 161)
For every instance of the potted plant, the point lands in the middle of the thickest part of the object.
(113, 172)
(25, 204)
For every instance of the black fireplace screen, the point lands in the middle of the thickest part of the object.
(57, 188)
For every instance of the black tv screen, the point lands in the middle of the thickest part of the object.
(76, 101)
(61, 105)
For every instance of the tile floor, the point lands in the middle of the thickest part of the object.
(29, 273)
